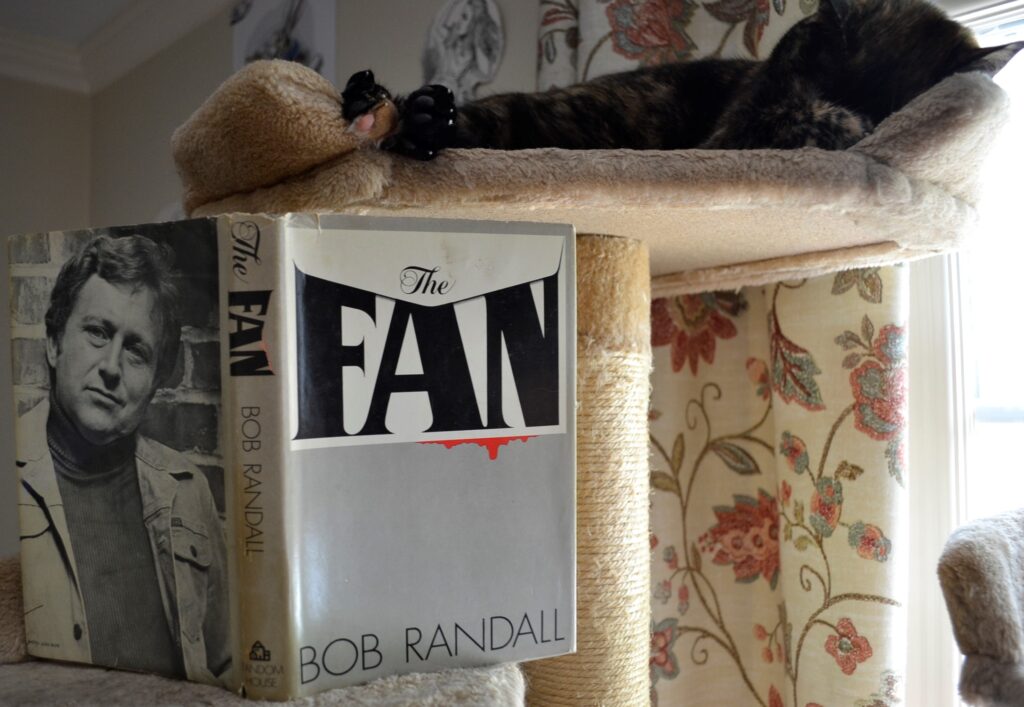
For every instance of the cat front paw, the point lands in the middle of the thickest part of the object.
(834, 127)
(428, 123)
(362, 93)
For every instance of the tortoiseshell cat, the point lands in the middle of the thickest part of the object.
(828, 82)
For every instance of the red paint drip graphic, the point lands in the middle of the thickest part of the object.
(493, 444)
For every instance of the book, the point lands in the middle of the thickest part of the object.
(287, 454)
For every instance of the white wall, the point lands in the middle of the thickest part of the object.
(45, 163)
(73, 161)
(388, 36)
(45, 157)
(133, 119)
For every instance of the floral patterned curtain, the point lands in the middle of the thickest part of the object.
(778, 465)
(778, 432)
(582, 39)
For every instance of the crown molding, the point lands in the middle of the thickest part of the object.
(133, 36)
(140, 32)
(42, 61)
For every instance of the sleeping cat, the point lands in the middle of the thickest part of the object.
(831, 78)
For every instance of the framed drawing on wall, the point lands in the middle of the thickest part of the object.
(296, 30)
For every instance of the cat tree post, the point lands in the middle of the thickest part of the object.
(610, 665)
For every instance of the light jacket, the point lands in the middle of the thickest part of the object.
(185, 535)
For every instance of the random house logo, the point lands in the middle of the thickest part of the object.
(259, 653)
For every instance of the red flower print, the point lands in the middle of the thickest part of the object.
(663, 328)
(651, 31)
(747, 537)
(654, 541)
(753, 12)
(663, 661)
(767, 655)
(880, 395)
(786, 493)
(896, 455)
(757, 372)
(826, 505)
(848, 648)
(793, 369)
(663, 591)
(692, 323)
(774, 698)
(869, 541)
(684, 599)
(760, 632)
(891, 345)
(794, 450)
(880, 386)
(670, 557)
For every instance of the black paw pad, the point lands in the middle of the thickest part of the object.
(361, 94)
(428, 123)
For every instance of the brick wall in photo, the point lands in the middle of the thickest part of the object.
(184, 414)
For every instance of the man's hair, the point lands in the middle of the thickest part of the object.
(134, 261)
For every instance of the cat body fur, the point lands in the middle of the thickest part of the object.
(831, 78)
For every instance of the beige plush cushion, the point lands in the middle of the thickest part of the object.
(721, 218)
(982, 576)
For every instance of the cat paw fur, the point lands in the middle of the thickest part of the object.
(427, 123)
(368, 108)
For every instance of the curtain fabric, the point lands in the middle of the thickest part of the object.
(583, 39)
(778, 431)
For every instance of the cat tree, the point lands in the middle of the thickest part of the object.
(271, 139)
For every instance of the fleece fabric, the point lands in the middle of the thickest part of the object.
(272, 139)
(981, 571)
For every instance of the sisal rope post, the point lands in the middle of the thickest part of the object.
(610, 666)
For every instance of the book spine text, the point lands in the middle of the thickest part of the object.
(254, 373)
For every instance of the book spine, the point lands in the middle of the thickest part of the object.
(254, 375)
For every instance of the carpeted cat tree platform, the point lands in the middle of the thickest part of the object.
(272, 139)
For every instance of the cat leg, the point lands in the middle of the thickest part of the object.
(427, 123)
(360, 100)
(832, 127)
(361, 94)
(426, 117)
(789, 124)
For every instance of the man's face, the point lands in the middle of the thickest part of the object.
(105, 362)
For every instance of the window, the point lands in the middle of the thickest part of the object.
(994, 337)
(966, 395)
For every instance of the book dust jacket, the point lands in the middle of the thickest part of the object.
(288, 454)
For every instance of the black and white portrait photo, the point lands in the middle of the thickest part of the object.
(121, 480)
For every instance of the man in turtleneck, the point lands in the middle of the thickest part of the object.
(122, 548)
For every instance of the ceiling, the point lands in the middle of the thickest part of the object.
(71, 21)
(84, 45)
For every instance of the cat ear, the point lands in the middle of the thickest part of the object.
(836, 11)
(991, 60)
